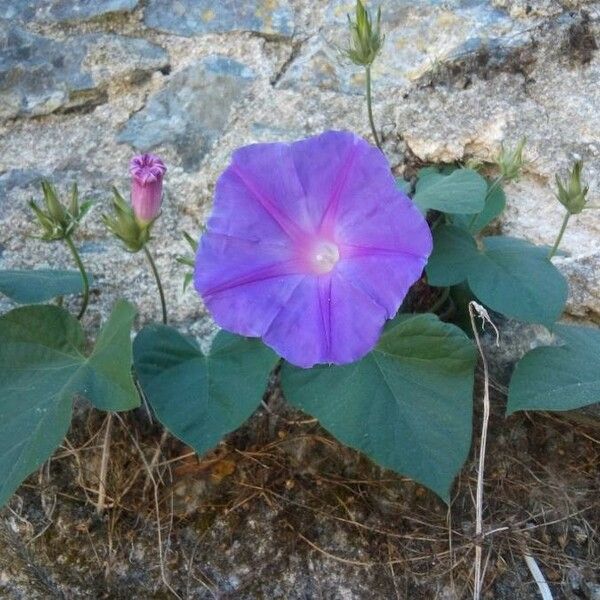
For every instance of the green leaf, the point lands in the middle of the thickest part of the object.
(494, 206)
(42, 368)
(109, 382)
(462, 191)
(559, 377)
(197, 397)
(516, 279)
(454, 252)
(507, 274)
(407, 404)
(403, 185)
(39, 285)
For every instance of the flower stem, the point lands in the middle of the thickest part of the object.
(370, 108)
(563, 227)
(163, 304)
(84, 277)
(490, 191)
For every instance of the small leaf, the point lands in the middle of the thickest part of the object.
(454, 252)
(462, 191)
(403, 185)
(407, 404)
(508, 275)
(494, 206)
(42, 368)
(110, 383)
(197, 397)
(39, 285)
(516, 279)
(558, 377)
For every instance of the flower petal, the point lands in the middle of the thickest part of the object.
(323, 163)
(326, 320)
(244, 283)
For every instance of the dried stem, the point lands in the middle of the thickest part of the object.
(538, 576)
(100, 503)
(475, 308)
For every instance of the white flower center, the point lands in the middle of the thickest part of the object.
(325, 256)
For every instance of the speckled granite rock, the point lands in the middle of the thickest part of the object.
(62, 10)
(191, 111)
(195, 17)
(40, 75)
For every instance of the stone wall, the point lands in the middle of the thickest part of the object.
(84, 84)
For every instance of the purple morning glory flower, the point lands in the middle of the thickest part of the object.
(311, 247)
(147, 172)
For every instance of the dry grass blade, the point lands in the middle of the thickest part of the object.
(477, 309)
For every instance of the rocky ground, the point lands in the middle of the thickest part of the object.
(84, 84)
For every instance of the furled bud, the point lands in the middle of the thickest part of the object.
(365, 38)
(571, 193)
(147, 172)
(56, 221)
(511, 162)
(124, 224)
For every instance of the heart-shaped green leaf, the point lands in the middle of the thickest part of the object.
(559, 377)
(407, 404)
(462, 191)
(197, 397)
(33, 286)
(42, 368)
(495, 202)
(507, 274)
(403, 185)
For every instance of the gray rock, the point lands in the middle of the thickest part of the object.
(192, 110)
(517, 339)
(62, 10)
(17, 178)
(419, 36)
(40, 75)
(196, 17)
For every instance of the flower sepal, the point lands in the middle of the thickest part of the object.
(58, 222)
(510, 161)
(571, 192)
(124, 225)
(366, 39)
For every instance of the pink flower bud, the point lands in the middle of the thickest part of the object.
(147, 171)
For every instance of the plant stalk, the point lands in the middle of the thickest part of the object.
(490, 191)
(84, 276)
(559, 238)
(161, 292)
(370, 107)
(477, 309)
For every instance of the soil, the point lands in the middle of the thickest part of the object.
(282, 510)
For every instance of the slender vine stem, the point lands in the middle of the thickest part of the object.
(490, 191)
(84, 276)
(163, 304)
(563, 228)
(370, 107)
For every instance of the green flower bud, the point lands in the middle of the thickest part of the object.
(511, 162)
(124, 225)
(365, 39)
(571, 193)
(56, 221)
